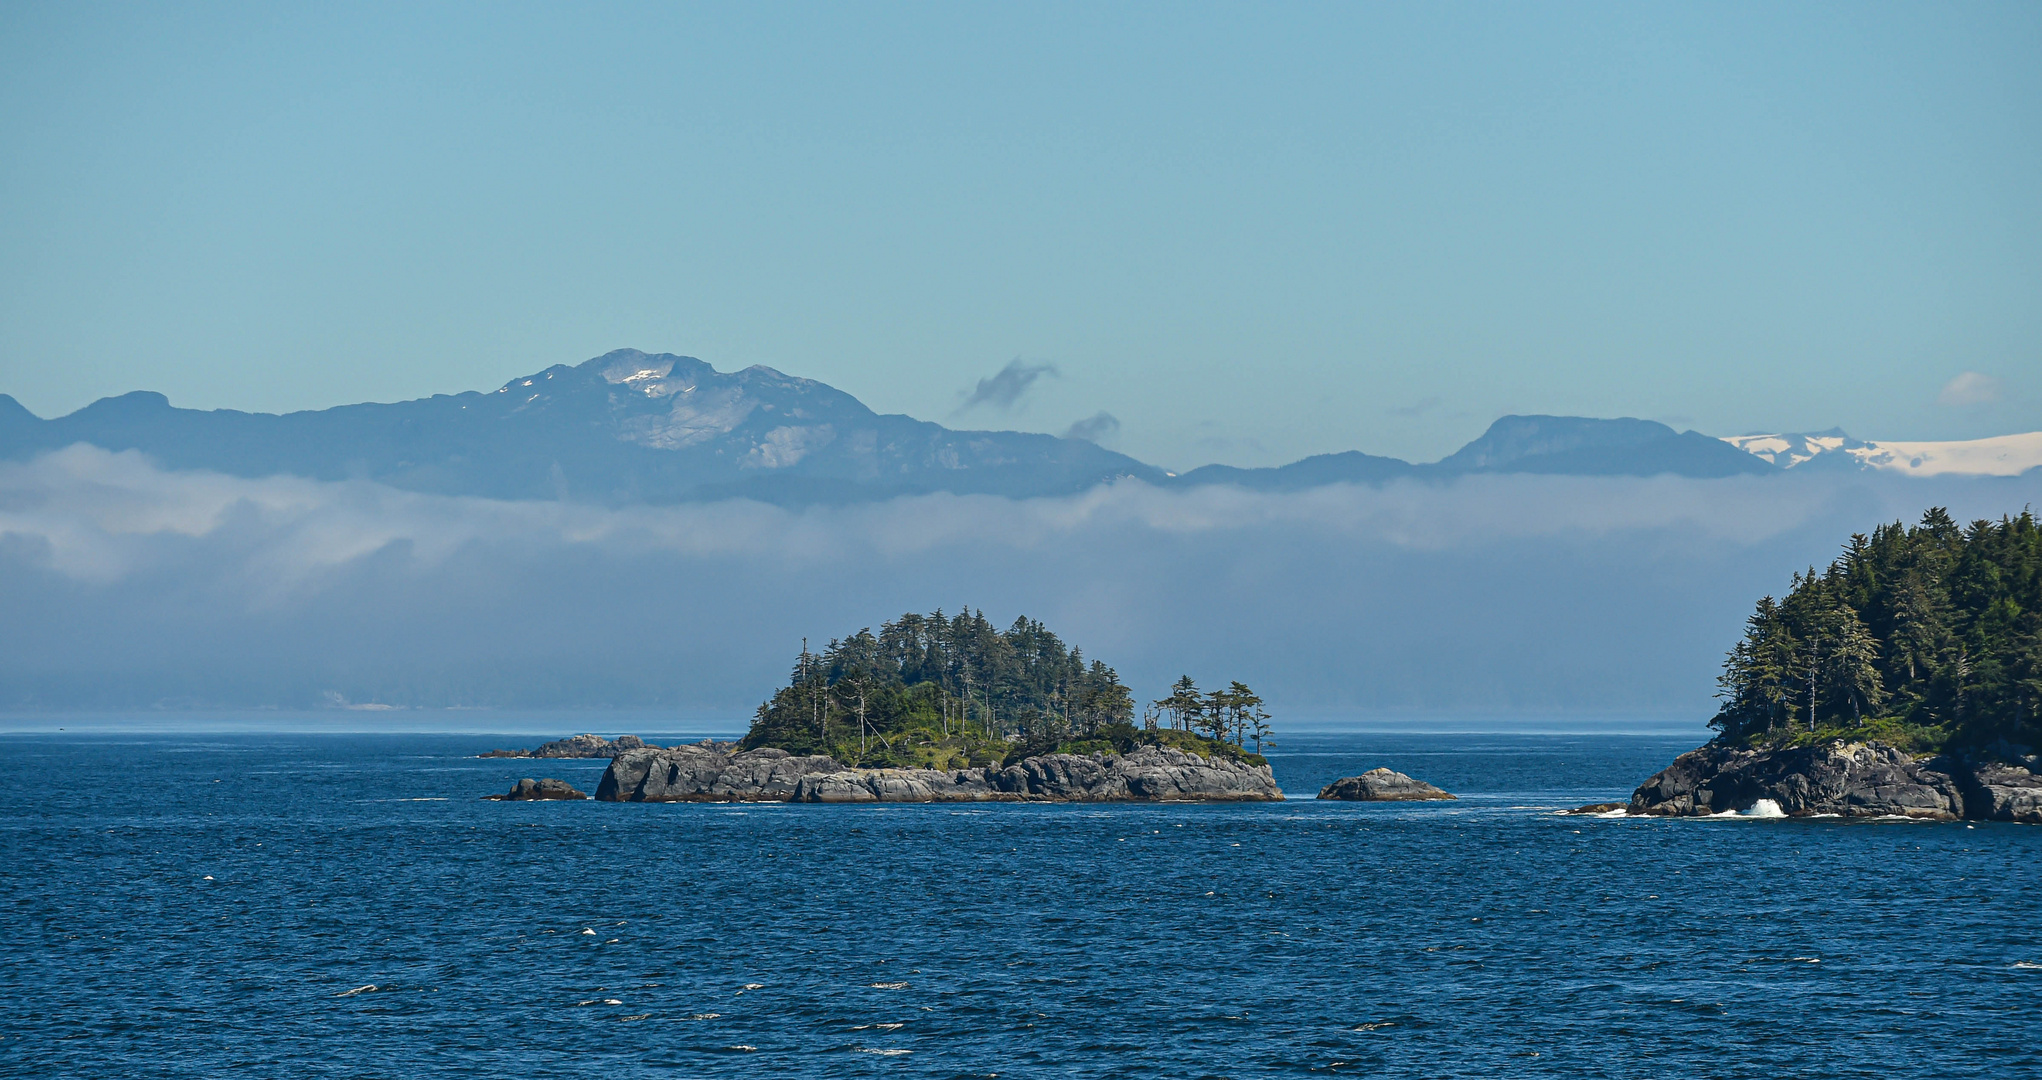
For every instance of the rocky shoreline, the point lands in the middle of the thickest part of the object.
(1850, 780)
(719, 772)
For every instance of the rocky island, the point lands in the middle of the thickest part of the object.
(952, 709)
(1381, 785)
(721, 773)
(1902, 682)
(575, 746)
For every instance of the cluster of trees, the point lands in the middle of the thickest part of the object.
(1935, 626)
(953, 678)
(944, 690)
(1235, 713)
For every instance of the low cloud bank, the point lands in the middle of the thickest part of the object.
(130, 586)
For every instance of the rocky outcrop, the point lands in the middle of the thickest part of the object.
(1858, 780)
(843, 785)
(708, 772)
(1381, 785)
(548, 788)
(579, 746)
(1999, 791)
(712, 773)
(1144, 774)
(1599, 808)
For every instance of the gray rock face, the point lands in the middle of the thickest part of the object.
(579, 746)
(1147, 774)
(1847, 779)
(1381, 785)
(707, 772)
(897, 785)
(2003, 792)
(1144, 774)
(548, 788)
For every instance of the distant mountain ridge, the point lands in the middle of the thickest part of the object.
(635, 427)
(624, 427)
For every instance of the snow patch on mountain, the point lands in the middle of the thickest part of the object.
(1787, 451)
(2000, 455)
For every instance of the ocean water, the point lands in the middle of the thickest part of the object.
(294, 904)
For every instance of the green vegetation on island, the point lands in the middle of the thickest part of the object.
(1927, 638)
(948, 692)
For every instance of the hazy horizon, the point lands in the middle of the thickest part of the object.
(1492, 594)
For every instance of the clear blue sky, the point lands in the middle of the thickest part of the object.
(1250, 232)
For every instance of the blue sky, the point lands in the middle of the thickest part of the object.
(1248, 233)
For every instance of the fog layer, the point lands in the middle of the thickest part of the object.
(125, 585)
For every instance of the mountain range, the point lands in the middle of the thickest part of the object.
(634, 427)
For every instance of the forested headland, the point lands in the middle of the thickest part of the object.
(944, 692)
(1929, 638)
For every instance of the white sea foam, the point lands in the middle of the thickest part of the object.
(369, 989)
(1765, 808)
(2026, 966)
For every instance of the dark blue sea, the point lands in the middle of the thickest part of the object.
(298, 904)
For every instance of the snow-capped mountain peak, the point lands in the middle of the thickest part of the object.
(2000, 455)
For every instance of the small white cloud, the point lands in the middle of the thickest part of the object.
(1970, 388)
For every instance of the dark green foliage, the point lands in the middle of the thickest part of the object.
(957, 689)
(947, 692)
(1931, 633)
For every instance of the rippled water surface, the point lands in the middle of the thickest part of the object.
(273, 905)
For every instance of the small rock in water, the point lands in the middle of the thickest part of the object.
(548, 788)
(1381, 785)
(1599, 808)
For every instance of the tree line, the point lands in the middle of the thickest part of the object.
(1934, 626)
